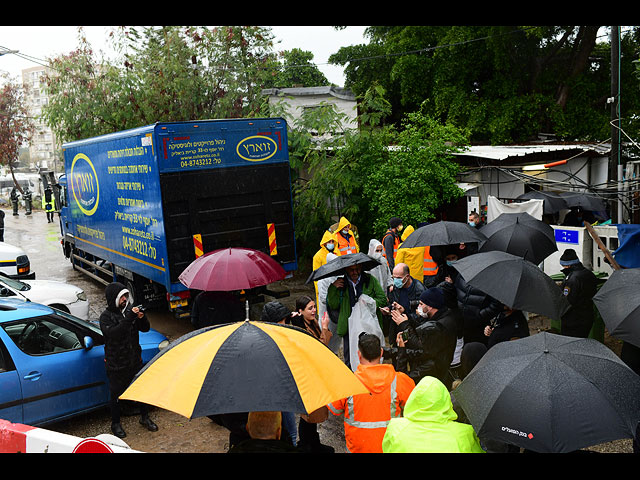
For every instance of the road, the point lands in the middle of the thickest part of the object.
(176, 434)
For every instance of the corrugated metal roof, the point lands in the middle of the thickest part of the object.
(503, 152)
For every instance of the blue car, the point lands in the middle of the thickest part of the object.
(52, 363)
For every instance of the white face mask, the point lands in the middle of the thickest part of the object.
(345, 231)
(423, 312)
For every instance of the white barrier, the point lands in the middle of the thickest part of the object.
(19, 438)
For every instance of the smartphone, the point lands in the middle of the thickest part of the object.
(405, 336)
(139, 307)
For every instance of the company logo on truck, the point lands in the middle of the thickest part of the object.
(256, 148)
(84, 184)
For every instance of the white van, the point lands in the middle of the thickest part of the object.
(15, 263)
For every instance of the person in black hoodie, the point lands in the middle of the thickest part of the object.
(120, 325)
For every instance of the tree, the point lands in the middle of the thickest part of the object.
(168, 73)
(358, 175)
(297, 69)
(502, 84)
(16, 127)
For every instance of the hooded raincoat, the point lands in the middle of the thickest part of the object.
(346, 244)
(429, 424)
(382, 272)
(366, 415)
(320, 257)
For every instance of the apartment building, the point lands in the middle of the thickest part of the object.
(42, 148)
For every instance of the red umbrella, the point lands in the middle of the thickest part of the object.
(231, 269)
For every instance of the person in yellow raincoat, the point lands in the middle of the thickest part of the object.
(421, 265)
(346, 239)
(328, 244)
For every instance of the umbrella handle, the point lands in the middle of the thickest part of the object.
(247, 309)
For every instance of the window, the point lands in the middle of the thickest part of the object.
(43, 335)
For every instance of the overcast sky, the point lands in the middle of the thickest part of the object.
(41, 42)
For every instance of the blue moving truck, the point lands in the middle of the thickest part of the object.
(138, 206)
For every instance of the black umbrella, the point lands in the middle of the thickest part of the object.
(551, 393)
(583, 200)
(443, 233)
(618, 302)
(553, 203)
(520, 234)
(337, 265)
(515, 282)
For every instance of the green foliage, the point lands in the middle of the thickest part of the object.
(358, 175)
(297, 69)
(502, 84)
(168, 73)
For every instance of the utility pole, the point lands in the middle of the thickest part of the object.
(615, 166)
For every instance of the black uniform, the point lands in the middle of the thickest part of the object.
(579, 287)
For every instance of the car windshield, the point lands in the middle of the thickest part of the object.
(93, 325)
(14, 284)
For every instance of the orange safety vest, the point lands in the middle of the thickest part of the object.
(367, 415)
(429, 267)
(396, 243)
(346, 246)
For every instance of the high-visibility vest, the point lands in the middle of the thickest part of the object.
(396, 243)
(429, 267)
(367, 415)
(347, 246)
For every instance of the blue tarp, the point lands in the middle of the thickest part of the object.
(628, 253)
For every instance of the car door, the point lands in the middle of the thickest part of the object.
(59, 377)
(10, 389)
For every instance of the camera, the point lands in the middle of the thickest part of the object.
(139, 307)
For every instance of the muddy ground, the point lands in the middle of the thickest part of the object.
(176, 434)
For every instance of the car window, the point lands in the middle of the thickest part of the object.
(5, 360)
(43, 335)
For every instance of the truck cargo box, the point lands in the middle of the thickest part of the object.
(140, 205)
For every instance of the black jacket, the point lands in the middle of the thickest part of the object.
(430, 345)
(121, 343)
(579, 287)
(477, 310)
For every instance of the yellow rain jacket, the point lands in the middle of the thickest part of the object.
(320, 257)
(345, 245)
(417, 258)
(429, 424)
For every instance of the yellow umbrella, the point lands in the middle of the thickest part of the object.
(243, 367)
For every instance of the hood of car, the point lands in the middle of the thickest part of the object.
(7, 249)
(44, 290)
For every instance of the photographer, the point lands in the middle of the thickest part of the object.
(427, 340)
(405, 291)
(120, 325)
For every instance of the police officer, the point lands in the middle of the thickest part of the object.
(579, 287)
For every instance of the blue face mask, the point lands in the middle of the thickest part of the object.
(449, 262)
(397, 282)
(329, 246)
(472, 224)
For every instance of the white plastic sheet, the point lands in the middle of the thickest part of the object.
(363, 319)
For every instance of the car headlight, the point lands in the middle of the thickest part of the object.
(163, 344)
(82, 296)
